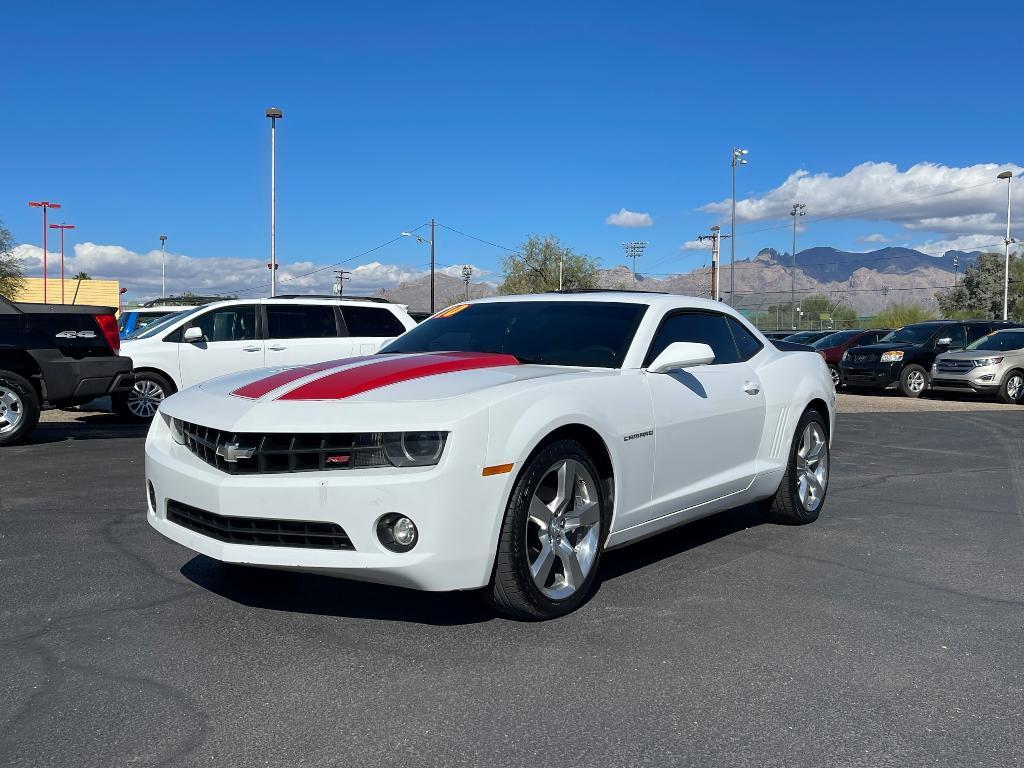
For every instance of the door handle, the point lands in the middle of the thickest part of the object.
(277, 349)
(251, 349)
(751, 388)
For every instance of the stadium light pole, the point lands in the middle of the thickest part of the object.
(467, 273)
(62, 227)
(738, 158)
(45, 205)
(797, 212)
(1008, 175)
(163, 270)
(274, 114)
(429, 242)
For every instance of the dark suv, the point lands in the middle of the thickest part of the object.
(904, 358)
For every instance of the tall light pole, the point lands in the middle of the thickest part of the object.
(633, 250)
(797, 212)
(429, 242)
(62, 227)
(738, 158)
(163, 269)
(274, 114)
(1008, 175)
(45, 205)
(467, 272)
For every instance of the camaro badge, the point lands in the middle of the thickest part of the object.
(635, 435)
(232, 452)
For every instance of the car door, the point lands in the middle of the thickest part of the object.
(300, 334)
(708, 419)
(370, 327)
(231, 343)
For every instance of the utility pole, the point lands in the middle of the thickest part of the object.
(797, 212)
(1008, 175)
(163, 268)
(738, 158)
(716, 240)
(956, 269)
(432, 236)
(341, 275)
(274, 114)
(62, 227)
(467, 273)
(633, 249)
(45, 205)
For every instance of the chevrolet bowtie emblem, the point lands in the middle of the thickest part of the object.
(232, 452)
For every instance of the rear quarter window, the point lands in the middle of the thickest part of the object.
(371, 321)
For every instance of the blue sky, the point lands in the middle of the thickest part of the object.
(501, 122)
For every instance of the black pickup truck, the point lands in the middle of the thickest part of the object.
(55, 355)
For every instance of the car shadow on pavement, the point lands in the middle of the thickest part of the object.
(104, 427)
(311, 593)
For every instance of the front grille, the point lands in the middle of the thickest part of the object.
(862, 357)
(247, 453)
(954, 366)
(257, 530)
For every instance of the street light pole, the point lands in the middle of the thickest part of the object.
(45, 205)
(429, 242)
(62, 227)
(798, 210)
(467, 272)
(1008, 175)
(737, 159)
(274, 114)
(163, 270)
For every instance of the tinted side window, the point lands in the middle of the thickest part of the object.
(746, 342)
(701, 327)
(371, 321)
(956, 336)
(976, 331)
(298, 321)
(228, 324)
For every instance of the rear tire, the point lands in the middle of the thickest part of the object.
(1012, 389)
(801, 495)
(552, 537)
(143, 400)
(913, 381)
(19, 408)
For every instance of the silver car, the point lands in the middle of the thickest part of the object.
(992, 365)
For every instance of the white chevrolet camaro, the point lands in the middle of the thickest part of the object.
(503, 444)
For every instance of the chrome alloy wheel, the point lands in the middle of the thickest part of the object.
(12, 410)
(915, 381)
(835, 376)
(812, 467)
(145, 398)
(563, 529)
(1014, 387)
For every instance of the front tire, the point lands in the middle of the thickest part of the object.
(552, 537)
(801, 495)
(913, 381)
(837, 380)
(19, 408)
(144, 399)
(1012, 389)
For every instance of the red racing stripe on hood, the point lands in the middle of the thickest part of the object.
(393, 370)
(254, 390)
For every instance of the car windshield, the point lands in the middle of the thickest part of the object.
(591, 334)
(912, 334)
(1000, 341)
(154, 328)
(834, 339)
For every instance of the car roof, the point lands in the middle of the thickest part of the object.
(650, 298)
(164, 308)
(336, 301)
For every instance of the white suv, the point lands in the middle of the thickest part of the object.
(241, 334)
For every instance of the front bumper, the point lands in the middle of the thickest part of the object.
(980, 381)
(873, 375)
(457, 511)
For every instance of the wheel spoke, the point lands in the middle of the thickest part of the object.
(815, 485)
(540, 514)
(566, 485)
(540, 568)
(584, 515)
(574, 575)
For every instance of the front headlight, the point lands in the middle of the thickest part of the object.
(414, 449)
(893, 356)
(846, 354)
(174, 426)
(987, 361)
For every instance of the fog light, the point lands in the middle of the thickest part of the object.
(397, 532)
(152, 496)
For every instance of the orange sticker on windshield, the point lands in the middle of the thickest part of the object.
(452, 310)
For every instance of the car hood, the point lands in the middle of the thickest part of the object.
(885, 346)
(374, 391)
(974, 354)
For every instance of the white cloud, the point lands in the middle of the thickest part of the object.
(927, 196)
(961, 243)
(877, 237)
(696, 245)
(140, 272)
(626, 218)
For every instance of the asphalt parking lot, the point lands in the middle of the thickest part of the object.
(889, 633)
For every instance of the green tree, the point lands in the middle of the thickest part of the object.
(12, 274)
(979, 293)
(534, 269)
(897, 315)
(81, 276)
